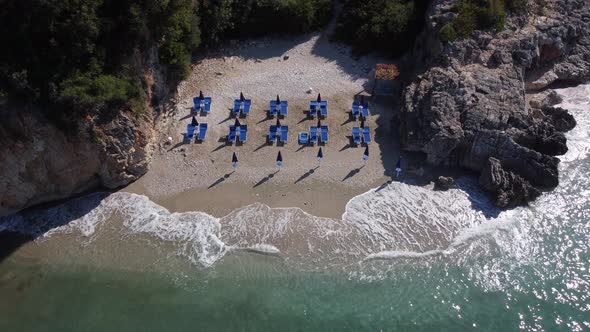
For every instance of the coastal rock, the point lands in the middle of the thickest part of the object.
(509, 189)
(471, 102)
(444, 183)
(43, 162)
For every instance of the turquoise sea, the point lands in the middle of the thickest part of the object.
(402, 258)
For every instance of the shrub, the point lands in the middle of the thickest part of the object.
(388, 26)
(448, 33)
(84, 90)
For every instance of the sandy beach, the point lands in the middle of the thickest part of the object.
(199, 175)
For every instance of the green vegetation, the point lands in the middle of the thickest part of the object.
(388, 26)
(479, 15)
(84, 55)
(226, 19)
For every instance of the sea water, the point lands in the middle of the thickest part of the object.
(401, 258)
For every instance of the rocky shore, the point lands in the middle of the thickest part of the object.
(43, 162)
(482, 103)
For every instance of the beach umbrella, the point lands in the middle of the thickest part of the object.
(319, 123)
(398, 166)
(237, 123)
(278, 123)
(362, 122)
(242, 96)
(320, 155)
(194, 122)
(234, 160)
(366, 154)
(279, 159)
(201, 95)
(319, 98)
(362, 100)
(278, 100)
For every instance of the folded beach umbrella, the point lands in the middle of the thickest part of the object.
(319, 98)
(201, 95)
(194, 122)
(242, 96)
(234, 160)
(278, 123)
(279, 160)
(398, 166)
(363, 123)
(278, 100)
(237, 123)
(320, 154)
(366, 154)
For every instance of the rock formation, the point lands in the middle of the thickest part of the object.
(42, 162)
(470, 107)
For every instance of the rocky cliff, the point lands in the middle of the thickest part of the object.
(476, 106)
(42, 162)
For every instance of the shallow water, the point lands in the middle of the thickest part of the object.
(401, 258)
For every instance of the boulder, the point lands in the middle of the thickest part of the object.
(444, 183)
(509, 189)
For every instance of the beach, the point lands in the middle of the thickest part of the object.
(199, 176)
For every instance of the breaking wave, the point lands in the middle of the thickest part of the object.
(394, 221)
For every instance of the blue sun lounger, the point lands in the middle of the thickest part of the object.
(273, 107)
(313, 108)
(197, 104)
(313, 135)
(232, 134)
(243, 133)
(284, 134)
(247, 106)
(190, 131)
(356, 135)
(324, 108)
(207, 103)
(355, 110)
(367, 135)
(237, 106)
(284, 107)
(202, 132)
(366, 110)
(272, 135)
(324, 133)
(303, 138)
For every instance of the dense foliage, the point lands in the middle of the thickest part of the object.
(388, 26)
(82, 54)
(479, 15)
(225, 19)
(78, 53)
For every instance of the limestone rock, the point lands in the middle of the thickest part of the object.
(470, 104)
(444, 183)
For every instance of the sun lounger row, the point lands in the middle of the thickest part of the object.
(242, 106)
(278, 133)
(318, 108)
(358, 108)
(202, 133)
(315, 135)
(202, 104)
(281, 107)
(238, 133)
(361, 135)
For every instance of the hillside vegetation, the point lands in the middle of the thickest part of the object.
(71, 55)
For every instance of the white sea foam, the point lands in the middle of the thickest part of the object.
(393, 221)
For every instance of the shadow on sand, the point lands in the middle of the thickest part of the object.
(265, 179)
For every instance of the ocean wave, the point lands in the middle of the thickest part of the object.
(394, 221)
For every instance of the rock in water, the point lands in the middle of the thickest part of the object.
(509, 189)
(444, 183)
(471, 103)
